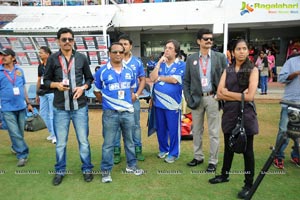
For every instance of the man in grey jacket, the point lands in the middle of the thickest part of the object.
(202, 75)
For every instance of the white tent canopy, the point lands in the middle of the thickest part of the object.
(77, 19)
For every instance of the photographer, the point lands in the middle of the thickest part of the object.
(290, 76)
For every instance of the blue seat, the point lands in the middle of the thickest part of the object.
(31, 92)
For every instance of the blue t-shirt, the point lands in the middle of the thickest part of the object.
(9, 81)
(115, 88)
(168, 95)
(138, 69)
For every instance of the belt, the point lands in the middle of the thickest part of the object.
(205, 94)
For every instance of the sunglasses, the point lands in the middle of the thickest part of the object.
(67, 39)
(115, 52)
(209, 38)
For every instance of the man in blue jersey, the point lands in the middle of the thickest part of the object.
(116, 81)
(139, 77)
(168, 78)
(203, 72)
(14, 101)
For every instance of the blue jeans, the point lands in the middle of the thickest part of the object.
(282, 129)
(62, 119)
(46, 111)
(264, 84)
(15, 121)
(112, 122)
(136, 136)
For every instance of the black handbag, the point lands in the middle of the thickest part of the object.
(238, 137)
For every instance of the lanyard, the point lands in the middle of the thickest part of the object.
(8, 77)
(204, 67)
(62, 66)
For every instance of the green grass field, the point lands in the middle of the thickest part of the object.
(160, 181)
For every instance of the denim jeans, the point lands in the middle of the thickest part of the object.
(112, 122)
(136, 136)
(62, 119)
(15, 121)
(46, 111)
(282, 129)
(264, 84)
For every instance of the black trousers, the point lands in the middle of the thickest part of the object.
(248, 160)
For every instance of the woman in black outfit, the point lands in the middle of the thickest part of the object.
(240, 77)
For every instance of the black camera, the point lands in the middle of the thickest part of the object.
(293, 128)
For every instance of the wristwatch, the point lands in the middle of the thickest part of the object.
(136, 95)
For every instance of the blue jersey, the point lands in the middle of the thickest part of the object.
(9, 81)
(115, 88)
(151, 64)
(138, 69)
(168, 95)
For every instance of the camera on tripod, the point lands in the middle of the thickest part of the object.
(293, 128)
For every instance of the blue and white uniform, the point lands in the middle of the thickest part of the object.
(115, 88)
(137, 67)
(167, 102)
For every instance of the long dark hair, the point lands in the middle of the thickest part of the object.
(246, 68)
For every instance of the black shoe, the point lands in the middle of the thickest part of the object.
(211, 168)
(195, 162)
(244, 192)
(218, 179)
(57, 179)
(88, 177)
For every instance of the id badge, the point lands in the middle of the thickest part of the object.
(204, 82)
(42, 80)
(66, 82)
(121, 94)
(16, 91)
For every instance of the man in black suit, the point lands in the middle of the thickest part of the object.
(202, 75)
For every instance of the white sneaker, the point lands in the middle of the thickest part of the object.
(54, 140)
(106, 177)
(49, 138)
(135, 170)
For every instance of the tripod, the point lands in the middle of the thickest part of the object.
(293, 132)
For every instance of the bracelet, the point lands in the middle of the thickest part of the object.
(136, 95)
(158, 79)
(28, 104)
(82, 87)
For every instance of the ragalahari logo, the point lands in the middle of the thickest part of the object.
(246, 8)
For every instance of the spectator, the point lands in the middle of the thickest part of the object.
(263, 67)
(14, 99)
(138, 69)
(45, 96)
(68, 73)
(115, 80)
(168, 76)
(150, 65)
(202, 75)
(241, 77)
(289, 75)
(271, 64)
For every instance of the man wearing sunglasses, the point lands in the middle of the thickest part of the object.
(140, 80)
(202, 75)
(68, 73)
(116, 82)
